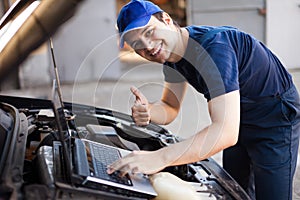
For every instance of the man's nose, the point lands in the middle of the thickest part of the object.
(147, 43)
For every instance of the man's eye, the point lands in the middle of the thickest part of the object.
(149, 33)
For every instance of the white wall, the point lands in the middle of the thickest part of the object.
(86, 46)
(244, 14)
(283, 30)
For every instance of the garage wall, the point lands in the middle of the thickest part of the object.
(86, 46)
(283, 30)
(248, 15)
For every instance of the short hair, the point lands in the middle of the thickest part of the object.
(159, 16)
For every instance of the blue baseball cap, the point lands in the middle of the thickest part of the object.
(133, 15)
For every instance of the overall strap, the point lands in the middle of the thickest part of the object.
(214, 31)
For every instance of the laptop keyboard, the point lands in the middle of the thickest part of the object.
(102, 157)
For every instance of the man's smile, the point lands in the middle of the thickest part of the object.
(157, 49)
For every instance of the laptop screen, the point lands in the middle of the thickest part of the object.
(63, 131)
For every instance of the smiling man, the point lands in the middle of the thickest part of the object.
(152, 43)
(252, 101)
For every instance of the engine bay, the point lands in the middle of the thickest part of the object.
(40, 130)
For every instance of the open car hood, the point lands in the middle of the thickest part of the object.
(43, 19)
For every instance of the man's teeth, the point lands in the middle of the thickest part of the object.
(157, 50)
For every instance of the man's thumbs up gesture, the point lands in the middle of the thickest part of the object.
(140, 110)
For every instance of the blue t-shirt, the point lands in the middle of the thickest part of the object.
(230, 60)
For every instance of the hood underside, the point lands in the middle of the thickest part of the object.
(42, 23)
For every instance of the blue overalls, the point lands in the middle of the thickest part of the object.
(267, 149)
(265, 155)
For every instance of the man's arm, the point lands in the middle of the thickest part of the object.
(167, 109)
(220, 134)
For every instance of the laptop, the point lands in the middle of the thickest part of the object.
(83, 162)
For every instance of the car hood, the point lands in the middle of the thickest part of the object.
(42, 22)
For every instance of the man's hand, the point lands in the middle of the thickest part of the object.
(140, 110)
(139, 162)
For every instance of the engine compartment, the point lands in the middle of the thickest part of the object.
(35, 130)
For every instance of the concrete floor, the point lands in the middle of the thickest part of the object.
(116, 95)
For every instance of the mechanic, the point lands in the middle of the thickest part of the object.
(252, 101)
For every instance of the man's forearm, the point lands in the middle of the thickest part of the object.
(221, 133)
(162, 113)
(202, 145)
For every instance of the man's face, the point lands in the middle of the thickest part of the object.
(155, 42)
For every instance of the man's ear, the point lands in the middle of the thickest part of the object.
(167, 19)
